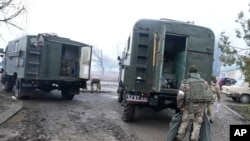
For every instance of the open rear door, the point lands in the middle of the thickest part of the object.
(85, 62)
(158, 52)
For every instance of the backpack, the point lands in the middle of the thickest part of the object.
(197, 92)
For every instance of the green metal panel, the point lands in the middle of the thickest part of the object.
(34, 60)
(42, 62)
(180, 67)
(159, 51)
(15, 56)
(141, 59)
(50, 60)
(84, 62)
(199, 51)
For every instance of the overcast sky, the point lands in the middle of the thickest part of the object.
(107, 23)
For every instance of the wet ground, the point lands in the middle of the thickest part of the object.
(97, 117)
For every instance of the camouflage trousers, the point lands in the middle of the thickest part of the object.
(96, 81)
(210, 111)
(210, 108)
(196, 121)
(219, 97)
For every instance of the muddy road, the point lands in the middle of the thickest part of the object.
(96, 117)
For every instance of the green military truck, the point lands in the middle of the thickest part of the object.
(155, 61)
(46, 62)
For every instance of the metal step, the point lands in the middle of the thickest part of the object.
(36, 52)
(33, 63)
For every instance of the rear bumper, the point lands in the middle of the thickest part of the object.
(54, 83)
(152, 99)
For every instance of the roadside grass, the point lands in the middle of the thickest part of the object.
(243, 109)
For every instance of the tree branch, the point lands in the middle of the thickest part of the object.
(10, 10)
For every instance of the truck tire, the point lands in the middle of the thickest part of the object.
(128, 113)
(120, 95)
(19, 90)
(66, 94)
(120, 98)
(2, 79)
(8, 86)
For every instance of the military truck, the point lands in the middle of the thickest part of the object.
(46, 62)
(155, 61)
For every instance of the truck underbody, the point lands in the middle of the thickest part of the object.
(24, 88)
(154, 100)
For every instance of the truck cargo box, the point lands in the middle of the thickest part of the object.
(156, 59)
(46, 62)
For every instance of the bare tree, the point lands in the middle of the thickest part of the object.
(98, 58)
(10, 10)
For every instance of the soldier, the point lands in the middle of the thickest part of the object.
(191, 102)
(215, 94)
(97, 81)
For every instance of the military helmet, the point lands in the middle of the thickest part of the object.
(213, 78)
(192, 69)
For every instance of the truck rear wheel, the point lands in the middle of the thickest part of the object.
(128, 113)
(19, 90)
(66, 94)
(120, 98)
(8, 86)
(120, 95)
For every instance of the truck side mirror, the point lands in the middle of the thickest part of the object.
(1, 50)
(121, 65)
(119, 58)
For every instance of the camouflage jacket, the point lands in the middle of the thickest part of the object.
(215, 88)
(184, 87)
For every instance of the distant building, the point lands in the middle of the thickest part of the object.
(233, 71)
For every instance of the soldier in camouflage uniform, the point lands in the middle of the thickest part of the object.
(198, 109)
(215, 93)
(97, 81)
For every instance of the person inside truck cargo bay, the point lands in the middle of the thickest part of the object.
(169, 55)
(168, 76)
(168, 67)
